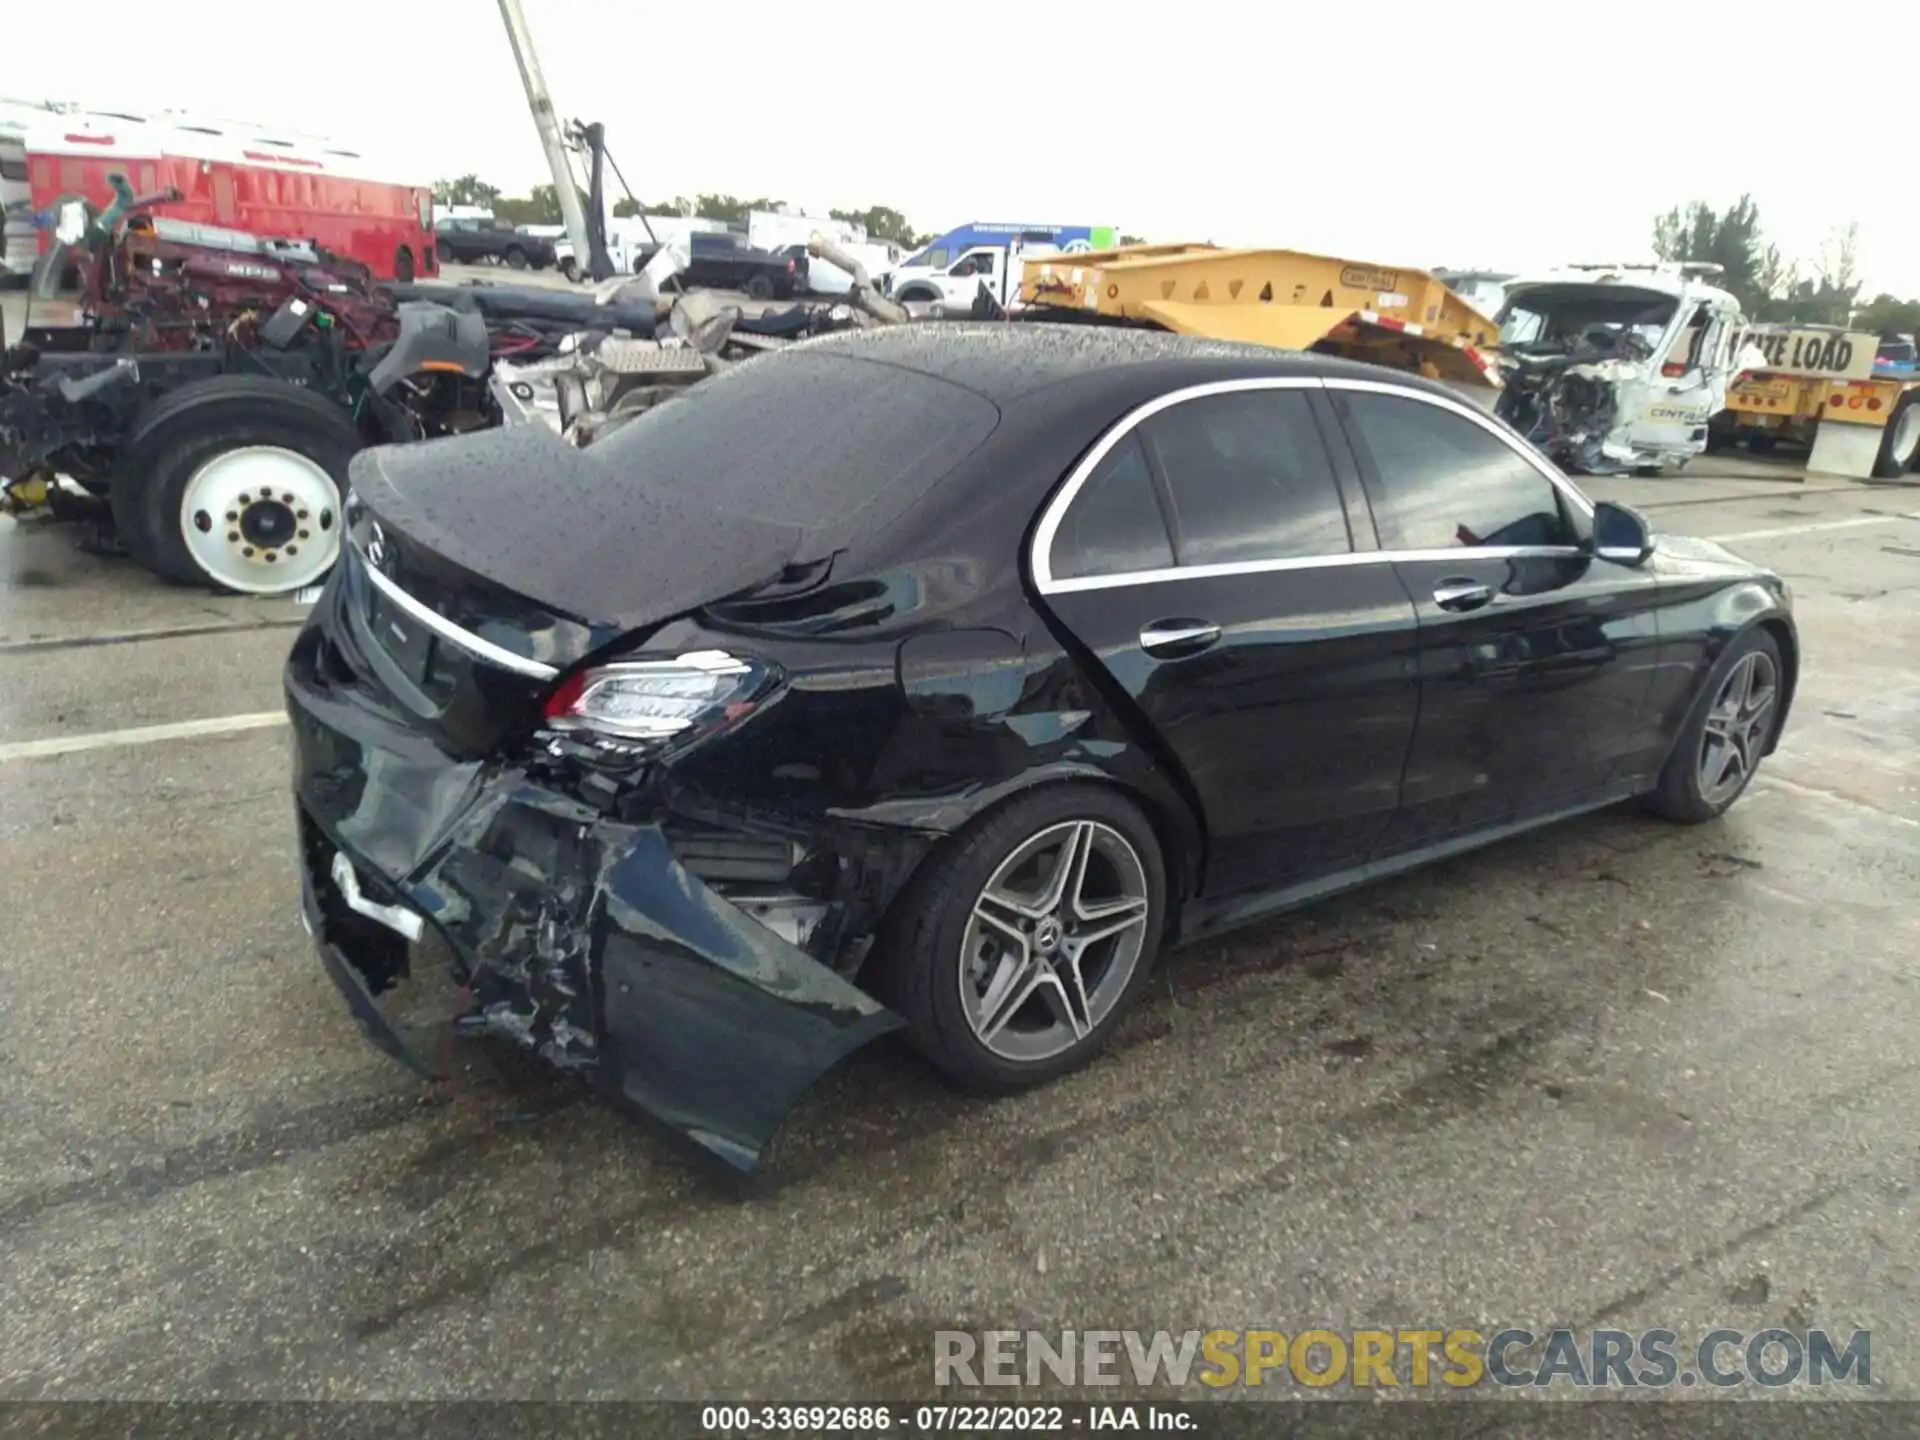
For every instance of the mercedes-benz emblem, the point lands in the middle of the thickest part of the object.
(377, 547)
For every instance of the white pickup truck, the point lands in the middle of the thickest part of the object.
(996, 268)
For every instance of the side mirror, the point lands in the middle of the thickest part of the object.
(1621, 534)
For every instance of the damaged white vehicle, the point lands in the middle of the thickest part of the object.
(1619, 368)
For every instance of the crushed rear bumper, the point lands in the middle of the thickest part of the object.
(578, 936)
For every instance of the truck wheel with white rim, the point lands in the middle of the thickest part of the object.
(1902, 440)
(236, 483)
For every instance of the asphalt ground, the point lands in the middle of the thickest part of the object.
(1617, 1073)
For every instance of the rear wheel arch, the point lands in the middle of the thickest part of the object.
(909, 969)
(1177, 836)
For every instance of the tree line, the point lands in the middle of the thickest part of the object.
(541, 206)
(1770, 288)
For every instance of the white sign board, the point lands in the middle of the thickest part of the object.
(1820, 354)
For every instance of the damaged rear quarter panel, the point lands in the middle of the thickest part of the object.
(587, 942)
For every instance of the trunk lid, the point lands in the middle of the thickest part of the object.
(477, 570)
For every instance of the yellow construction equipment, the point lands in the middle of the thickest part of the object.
(1385, 314)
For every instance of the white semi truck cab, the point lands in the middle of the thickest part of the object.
(1619, 368)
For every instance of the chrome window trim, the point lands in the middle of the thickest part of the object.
(1040, 551)
(1312, 562)
(468, 641)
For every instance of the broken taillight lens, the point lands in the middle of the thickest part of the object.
(647, 704)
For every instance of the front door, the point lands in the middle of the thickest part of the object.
(979, 266)
(1208, 565)
(1688, 386)
(1536, 658)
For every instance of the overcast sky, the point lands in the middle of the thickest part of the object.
(1503, 135)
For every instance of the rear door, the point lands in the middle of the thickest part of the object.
(1207, 559)
(1536, 659)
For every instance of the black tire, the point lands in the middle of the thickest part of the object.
(570, 268)
(920, 951)
(516, 258)
(915, 295)
(1891, 463)
(1761, 442)
(403, 266)
(1681, 796)
(186, 428)
(759, 287)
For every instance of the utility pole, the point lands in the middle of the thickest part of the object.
(544, 120)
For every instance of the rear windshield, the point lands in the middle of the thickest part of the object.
(821, 442)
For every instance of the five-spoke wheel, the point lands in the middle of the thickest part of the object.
(1738, 725)
(1730, 729)
(1016, 951)
(1053, 940)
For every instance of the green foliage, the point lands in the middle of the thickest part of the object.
(883, 222)
(1889, 315)
(541, 207)
(730, 208)
(1733, 241)
(1769, 289)
(466, 189)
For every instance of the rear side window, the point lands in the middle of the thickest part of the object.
(1249, 479)
(822, 443)
(1445, 481)
(1114, 526)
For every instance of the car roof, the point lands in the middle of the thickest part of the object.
(1007, 362)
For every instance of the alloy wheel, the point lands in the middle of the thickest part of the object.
(1737, 726)
(1053, 940)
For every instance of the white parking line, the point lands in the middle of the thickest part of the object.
(1786, 530)
(141, 735)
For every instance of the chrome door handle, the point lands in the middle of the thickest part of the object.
(1172, 638)
(1461, 594)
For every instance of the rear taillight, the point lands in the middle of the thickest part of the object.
(789, 267)
(643, 705)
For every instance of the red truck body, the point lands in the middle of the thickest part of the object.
(239, 178)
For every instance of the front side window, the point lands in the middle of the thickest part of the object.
(1445, 481)
(1114, 526)
(1249, 479)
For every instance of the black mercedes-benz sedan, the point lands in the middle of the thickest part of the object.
(943, 676)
